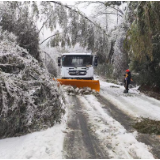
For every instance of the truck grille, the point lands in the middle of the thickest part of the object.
(75, 72)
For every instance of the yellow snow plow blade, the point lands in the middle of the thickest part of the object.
(93, 84)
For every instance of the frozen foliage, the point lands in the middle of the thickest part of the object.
(16, 18)
(120, 56)
(70, 26)
(50, 63)
(142, 43)
(29, 98)
(74, 28)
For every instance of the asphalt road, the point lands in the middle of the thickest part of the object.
(82, 143)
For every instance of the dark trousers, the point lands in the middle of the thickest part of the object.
(126, 85)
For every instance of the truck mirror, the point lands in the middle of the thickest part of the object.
(95, 61)
(59, 61)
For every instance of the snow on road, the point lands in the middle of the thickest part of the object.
(111, 133)
(134, 103)
(47, 144)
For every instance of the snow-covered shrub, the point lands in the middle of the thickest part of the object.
(5, 35)
(29, 98)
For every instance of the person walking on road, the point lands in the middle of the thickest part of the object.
(127, 80)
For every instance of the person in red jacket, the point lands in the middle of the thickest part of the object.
(127, 80)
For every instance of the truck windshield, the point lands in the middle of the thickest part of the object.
(77, 60)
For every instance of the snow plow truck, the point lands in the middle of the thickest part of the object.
(77, 70)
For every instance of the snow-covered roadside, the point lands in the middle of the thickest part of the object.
(47, 144)
(111, 133)
(38, 145)
(134, 103)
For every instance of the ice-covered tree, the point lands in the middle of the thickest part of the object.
(142, 41)
(16, 18)
(75, 27)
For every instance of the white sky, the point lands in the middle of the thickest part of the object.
(80, 7)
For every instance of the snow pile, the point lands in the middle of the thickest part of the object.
(29, 98)
(79, 91)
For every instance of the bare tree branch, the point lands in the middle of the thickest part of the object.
(101, 13)
(49, 37)
(104, 3)
(83, 15)
(44, 23)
